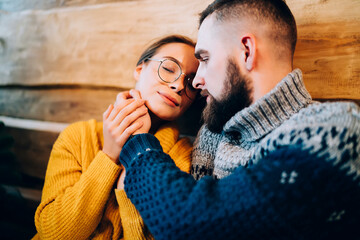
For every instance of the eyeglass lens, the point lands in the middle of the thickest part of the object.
(169, 71)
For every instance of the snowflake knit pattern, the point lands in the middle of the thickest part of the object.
(291, 193)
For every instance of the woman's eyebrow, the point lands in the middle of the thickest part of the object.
(174, 59)
(180, 64)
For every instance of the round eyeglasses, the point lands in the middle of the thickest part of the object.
(169, 71)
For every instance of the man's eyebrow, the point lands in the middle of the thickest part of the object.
(199, 52)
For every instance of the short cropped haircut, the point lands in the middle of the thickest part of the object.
(275, 12)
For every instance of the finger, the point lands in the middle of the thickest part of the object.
(107, 112)
(120, 107)
(123, 95)
(128, 109)
(116, 117)
(120, 97)
(131, 118)
(135, 93)
(121, 140)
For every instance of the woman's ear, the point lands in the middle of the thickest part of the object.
(248, 45)
(137, 71)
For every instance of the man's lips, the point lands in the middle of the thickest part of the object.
(205, 94)
(170, 100)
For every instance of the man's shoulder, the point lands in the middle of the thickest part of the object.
(331, 129)
(326, 113)
(320, 117)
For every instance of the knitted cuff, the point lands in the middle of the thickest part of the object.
(137, 145)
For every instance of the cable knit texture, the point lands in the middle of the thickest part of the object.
(79, 200)
(284, 168)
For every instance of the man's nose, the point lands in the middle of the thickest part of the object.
(198, 81)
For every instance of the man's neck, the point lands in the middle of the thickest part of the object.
(264, 81)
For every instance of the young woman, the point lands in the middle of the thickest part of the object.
(80, 199)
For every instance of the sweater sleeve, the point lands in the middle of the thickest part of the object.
(74, 198)
(289, 194)
(132, 223)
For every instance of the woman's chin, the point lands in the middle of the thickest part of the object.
(164, 114)
(167, 118)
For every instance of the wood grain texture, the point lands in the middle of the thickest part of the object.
(94, 45)
(57, 105)
(328, 49)
(21, 5)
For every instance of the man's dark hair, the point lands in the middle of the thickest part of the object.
(275, 12)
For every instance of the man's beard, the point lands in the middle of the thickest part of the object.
(237, 95)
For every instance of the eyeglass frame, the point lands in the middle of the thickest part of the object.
(181, 71)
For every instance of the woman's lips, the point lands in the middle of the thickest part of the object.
(169, 100)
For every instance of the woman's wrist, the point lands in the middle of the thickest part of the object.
(115, 159)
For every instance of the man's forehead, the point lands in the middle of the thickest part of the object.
(212, 33)
(205, 34)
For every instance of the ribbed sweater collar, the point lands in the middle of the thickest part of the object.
(287, 98)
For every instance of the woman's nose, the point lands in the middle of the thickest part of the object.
(178, 85)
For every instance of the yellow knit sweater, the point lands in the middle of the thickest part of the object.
(79, 199)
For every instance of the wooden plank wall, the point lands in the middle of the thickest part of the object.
(63, 61)
(66, 62)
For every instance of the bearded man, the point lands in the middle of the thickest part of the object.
(268, 163)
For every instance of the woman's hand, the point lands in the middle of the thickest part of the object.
(121, 121)
(145, 119)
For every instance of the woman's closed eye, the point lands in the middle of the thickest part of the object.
(168, 69)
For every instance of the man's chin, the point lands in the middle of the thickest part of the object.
(211, 116)
(237, 95)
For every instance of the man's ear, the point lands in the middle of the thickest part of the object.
(248, 44)
(137, 71)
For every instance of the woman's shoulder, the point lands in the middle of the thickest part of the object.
(82, 134)
(82, 129)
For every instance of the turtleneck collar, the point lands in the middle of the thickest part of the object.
(287, 98)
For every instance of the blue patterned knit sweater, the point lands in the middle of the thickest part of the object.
(289, 194)
(300, 180)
